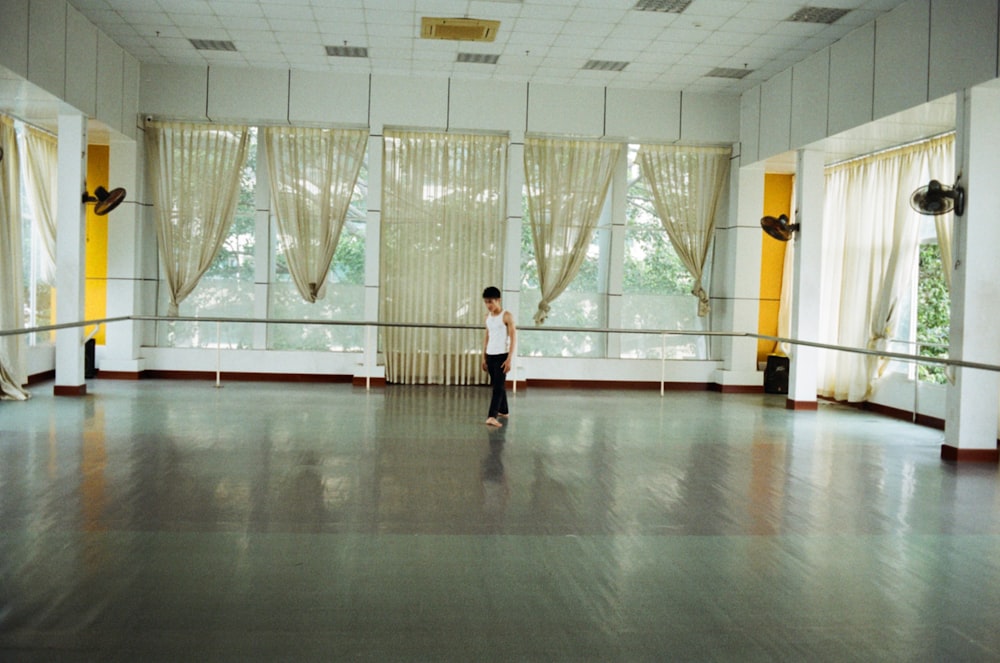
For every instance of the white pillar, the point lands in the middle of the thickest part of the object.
(736, 279)
(121, 354)
(972, 401)
(369, 369)
(70, 254)
(804, 360)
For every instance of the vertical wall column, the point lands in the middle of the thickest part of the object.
(70, 253)
(512, 248)
(618, 202)
(373, 242)
(972, 400)
(121, 354)
(263, 267)
(736, 283)
(809, 185)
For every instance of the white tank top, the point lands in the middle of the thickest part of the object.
(497, 330)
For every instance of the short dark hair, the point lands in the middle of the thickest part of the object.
(491, 292)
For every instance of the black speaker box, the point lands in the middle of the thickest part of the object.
(776, 375)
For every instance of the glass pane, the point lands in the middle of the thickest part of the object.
(933, 313)
(662, 312)
(215, 296)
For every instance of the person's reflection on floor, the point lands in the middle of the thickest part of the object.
(496, 490)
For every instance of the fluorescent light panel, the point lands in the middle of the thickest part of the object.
(824, 15)
(478, 58)
(212, 45)
(347, 51)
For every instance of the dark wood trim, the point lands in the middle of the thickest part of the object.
(894, 413)
(121, 375)
(737, 388)
(247, 377)
(622, 385)
(957, 455)
(374, 382)
(929, 421)
(69, 390)
(44, 376)
(804, 406)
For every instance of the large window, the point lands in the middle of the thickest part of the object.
(39, 272)
(345, 289)
(656, 286)
(226, 289)
(582, 304)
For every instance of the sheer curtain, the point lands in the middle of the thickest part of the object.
(567, 183)
(312, 174)
(195, 172)
(443, 219)
(41, 160)
(686, 183)
(870, 239)
(12, 371)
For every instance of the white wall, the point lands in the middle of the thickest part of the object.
(52, 45)
(921, 51)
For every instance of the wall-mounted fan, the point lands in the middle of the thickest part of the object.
(936, 198)
(779, 228)
(105, 201)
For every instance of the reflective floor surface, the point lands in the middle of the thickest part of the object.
(173, 521)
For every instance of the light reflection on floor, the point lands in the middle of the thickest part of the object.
(168, 520)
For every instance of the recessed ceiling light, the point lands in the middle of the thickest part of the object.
(347, 51)
(478, 58)
(825, 15)
(212, 45)
(605, 65)
(670, 6)
(724, 72)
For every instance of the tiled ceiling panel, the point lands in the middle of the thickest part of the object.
(672, 48)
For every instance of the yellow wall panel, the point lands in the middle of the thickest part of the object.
(777, 201)
(96, 269)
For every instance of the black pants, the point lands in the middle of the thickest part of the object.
(498, 402)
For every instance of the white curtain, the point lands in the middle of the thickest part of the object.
(195, 172)
(443, 219)
(567, 183)
(41, 160)
(12, 371)
(686, 183)
(870, 241)
(312, 174)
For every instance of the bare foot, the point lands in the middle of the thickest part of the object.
(491, 421)
(503, 415)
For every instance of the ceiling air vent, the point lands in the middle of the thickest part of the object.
(825, 15)
(212, 45)
(458, 29)
(605, 65)
(670, 6)
(724, 72)
(347, 51)
(478, 58)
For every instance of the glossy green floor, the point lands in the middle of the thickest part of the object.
(173, 521)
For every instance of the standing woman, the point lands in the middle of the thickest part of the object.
(498, 349)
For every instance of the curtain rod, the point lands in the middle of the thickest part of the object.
(34, 126)
(884, 150)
